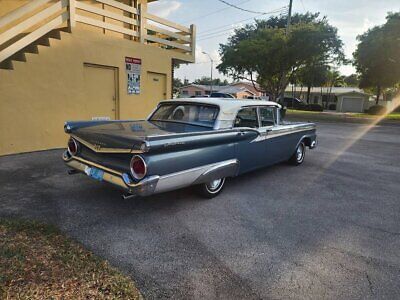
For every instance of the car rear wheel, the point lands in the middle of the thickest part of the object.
(298, 155)
(211, 189)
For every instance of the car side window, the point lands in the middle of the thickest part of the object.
(267, 116)
(247, 117)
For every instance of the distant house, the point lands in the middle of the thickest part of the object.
(342, 99)
(256, 91)
(237, 91)
(240, 90)
(199, 90)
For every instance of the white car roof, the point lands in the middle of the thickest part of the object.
(228, 106)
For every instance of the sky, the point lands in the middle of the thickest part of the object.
(215, 22)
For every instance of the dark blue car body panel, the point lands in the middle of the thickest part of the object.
(174, 149)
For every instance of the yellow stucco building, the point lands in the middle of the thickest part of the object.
(81, 60)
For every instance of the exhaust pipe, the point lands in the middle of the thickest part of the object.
(128, 196)
(72, 172)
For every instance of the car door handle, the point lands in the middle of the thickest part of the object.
(240, 133)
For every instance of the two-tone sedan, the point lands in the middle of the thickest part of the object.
(186, 142)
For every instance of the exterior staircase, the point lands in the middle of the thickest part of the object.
(35, 23)
(33, 48)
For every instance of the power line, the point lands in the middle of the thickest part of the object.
(243, 9)
(212, 13)
(302, 4)
(282, 10)
(220, 32)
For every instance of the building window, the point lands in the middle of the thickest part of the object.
(208, 92)
(197, 93)
(316, 98)
(185, 92)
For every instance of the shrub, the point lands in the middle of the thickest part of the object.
(309, 107)
(301, 106)
(377, 110)
(332, 107)
(314, 107)
(397, 109)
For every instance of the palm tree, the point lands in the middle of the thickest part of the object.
(334, 80)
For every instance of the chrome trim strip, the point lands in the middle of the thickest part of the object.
(193, 176)
(271, 133)
(107, 150)
(90, 163)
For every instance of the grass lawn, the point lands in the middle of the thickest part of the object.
(391, 116)
(38, 262)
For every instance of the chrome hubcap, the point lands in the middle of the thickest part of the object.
(214, 184)
(299, 153)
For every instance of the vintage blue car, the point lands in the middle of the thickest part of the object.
(185, 142)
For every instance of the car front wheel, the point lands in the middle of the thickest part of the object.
(298, 155)
(212, 188)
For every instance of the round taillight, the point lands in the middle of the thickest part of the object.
(72, 146)
(138, 167)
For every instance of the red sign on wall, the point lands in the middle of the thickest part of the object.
(133, 69)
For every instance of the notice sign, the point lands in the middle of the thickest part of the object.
(133, 68)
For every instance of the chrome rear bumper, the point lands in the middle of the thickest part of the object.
(122, 180)
(157, 184)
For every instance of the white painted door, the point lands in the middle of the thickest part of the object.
(352, 104)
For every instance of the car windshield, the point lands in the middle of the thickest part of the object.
(193, 114)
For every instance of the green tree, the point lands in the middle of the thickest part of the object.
(177, 83)
(351, 80)
(377, 57)
(263, 53)
(334, 79)
(207, 81)
(312, 75)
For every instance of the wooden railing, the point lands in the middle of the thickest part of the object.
(39, 17)
(169, 35)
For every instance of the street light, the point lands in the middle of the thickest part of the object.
(212, 62)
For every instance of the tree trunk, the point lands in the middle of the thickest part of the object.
(378, 94)
(308, 94)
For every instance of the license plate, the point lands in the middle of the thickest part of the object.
(94, 173)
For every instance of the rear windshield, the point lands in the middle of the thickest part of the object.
(194, 114)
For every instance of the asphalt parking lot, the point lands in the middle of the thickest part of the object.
(327, 229)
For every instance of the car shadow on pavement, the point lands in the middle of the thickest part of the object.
(282, 232)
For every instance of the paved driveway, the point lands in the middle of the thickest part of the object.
(327, 229)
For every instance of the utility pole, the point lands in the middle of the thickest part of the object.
(212, 65)
(289, 19)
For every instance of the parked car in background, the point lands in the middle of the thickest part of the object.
(254, 97)
(290, 102)
(221, 95)
(186, 142)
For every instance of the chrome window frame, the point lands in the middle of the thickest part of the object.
(275, 114)
(244, 107)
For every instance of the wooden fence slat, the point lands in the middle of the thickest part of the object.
(168, 43)
(166, 22)
(120, 5)
(104, 25)
(105, 13)
(168, 33)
